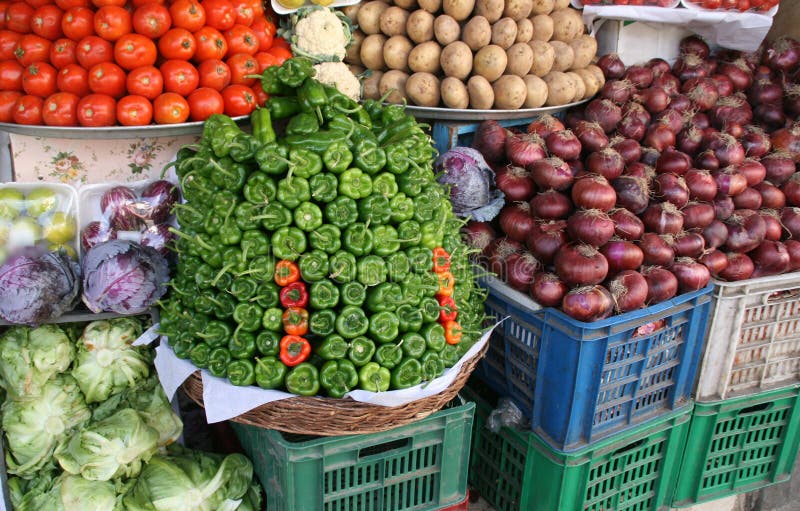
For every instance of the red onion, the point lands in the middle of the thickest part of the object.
(682, 104)
(606, 162)
(748, 199)
(551, 173)
(740, 267)
(689, 140)
(547, 289)
(671, 188)
(671, 118)
(729, 181)
(634, 122)
(715, 234)
(656, 250)
(689, 244)
(744, 232)
(724, 85)
(580, 264)
(593, 192)
(790, 218)
(772, 219)
(770, 115)
(706, 160)
(622, 255)
(669, 83)
(515, 183)
(764, 91)
(780, 167)
(629, 290)
(659, 66)
(639, 169)
(617, 91)
(490, 140)
(626, 225)
(724, 206)
(640, 76)
(663, 218)
(516, 221)
(783, 54)
(673, 161)
(564, 144)
(791, 99)
(544, 125)
(629, 149)
(605, 113)
(588, 303)
(650, 157)
(654, 99)
(520, 269)
(612, 66)
(546, 238)
(590, 226)
(524, 149)
(770, 258)
(550, 205)
(632, 192)
(701, 185)
(695, 46)
(726, 148)
(698, 215)
(753, 171)
(715, 260)
(788, 140)
(771, 196)
(479, 235)
(692, 276)
(591, 136)
(756, 142)
(731, 110)
(702, 91)
(659, 137)
(738, 72)
(662, 284)
(791, 190)
(793, 247)
(499, 251)
(689, 66)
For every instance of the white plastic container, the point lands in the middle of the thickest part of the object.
(753, 337)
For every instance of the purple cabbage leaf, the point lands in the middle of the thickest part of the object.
(470, 180)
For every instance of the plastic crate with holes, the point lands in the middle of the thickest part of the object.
(754, 337)
(421, 466)
(739, 445)
(580, 382)
(631, 471)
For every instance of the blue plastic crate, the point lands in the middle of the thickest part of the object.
(578, 382)
(447, 135)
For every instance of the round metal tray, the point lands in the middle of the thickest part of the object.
(112, 132)
(456, 114)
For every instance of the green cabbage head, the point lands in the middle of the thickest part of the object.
(31, 356)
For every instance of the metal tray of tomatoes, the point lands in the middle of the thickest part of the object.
(578, 4)
(466, 114)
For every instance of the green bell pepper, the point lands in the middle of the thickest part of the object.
(241, 373)
(396, 158)
(402, 207)
(303, 123)
(272, 319)
(361, 350)
(369, 156)
(274, 216)
(410, 318)
(304, 163)
(409, 233)
(358, 239)
(307, 216)
(389, 355)
(267, 343)
(374, 378)
(450, 355)
(355, 183)
(324, 187)
(386, 240)
(199, 354)
(326, 238)
(385, 185)
(272, 158)
(292, 190)
(266, 294)
(384, 326)
(288, 243)
(371, 270)
(432, 365)
(248, 316)
(259, 188)
(324, 294)
(337, 157)
(294, 71)
(386, 296)
(303, 379)
(338, 377)
(430, 309)
(399, 266)
(218, 361)
(333, 347)
(314, 265)
(270, 372)
(374, 209)
(343, 267)
(243, 147)
(215, 334)
(261, 122)
(434, 336)
(341, 212)
(413, 344)
(351, 322)
(322, 322)
(407, 374)
(242, 345)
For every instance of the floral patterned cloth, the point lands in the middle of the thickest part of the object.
(79, 162)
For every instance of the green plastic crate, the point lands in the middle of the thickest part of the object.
(739, 445)
(630, 471)
(418, 467)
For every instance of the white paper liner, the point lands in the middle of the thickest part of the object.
(224, 401)
(147, 337)
(736, 31)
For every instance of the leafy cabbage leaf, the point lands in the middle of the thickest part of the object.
(29, 357)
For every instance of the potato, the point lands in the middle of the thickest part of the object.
(598, 73)
(424, 58)
(524, 31)
(543, 57)
(454, 93)
(504, 33)
(408, 5)
(542, 28)
(492, 10)
(456, 60)
(370, 87)
(510, 92)
(537, 91)
(353, 55)
(590, 81)
(419, 26)
(490, 62)
(458, 9)
(394, 81)
(520, 59)
(585, 48)
(369, 16)
(393, 21)
(432, 6)
(477, 33)
(395, 52)
(423, 89)
(567, 24)
(481, 94)
(560, 4)
(542, 7)
(517, 9)
(371, 52)
(580, 87)
(446, 29)
(564, 56)
(351, 11)
(560, 90)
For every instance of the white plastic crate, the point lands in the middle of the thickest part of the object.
(753, 337)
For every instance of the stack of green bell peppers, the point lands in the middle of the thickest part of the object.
(347, 192)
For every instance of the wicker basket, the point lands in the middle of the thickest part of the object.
(324, 416)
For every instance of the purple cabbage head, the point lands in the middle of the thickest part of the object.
(37, 286)
(471, 181)
(123, 277)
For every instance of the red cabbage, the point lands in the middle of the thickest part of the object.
(470, 180)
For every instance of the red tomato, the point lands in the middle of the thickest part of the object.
(39, 79)
(280, 53)
(151, 20)
(170, 108)
(265, 32)
(145, 81)
(214, 74)
(4, 14)
(107, 78)
(245, 14)
(66, 5)
(46, 22)
(104, 3)
(743, 5)
(61, 109)
(265, 60)
(261, 96)
(112, 22)
(134, 50)
(62, 52)
(8, 99)
(177, 43)
(18, 17)
(8, 43)
(239, 100)
(211, 44)
(96, 110)
(138, 3)
(92, 50)
(77, 23)
(28, 110)
(220, 14)
(729, 4)
(38, 3)
(242, 66)
(32, 48)
(73, 78)
(11, 75)
(180, 77)
(188, 14)
(241, 40)
(258, 8)
(280, 42)
(203, 102)
(134, 111)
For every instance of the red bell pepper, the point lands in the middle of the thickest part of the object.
(294, 295)
(294, 350)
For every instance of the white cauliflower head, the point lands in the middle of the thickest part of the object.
(322, 34)
(337, 74)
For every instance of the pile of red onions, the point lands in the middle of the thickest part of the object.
(671, 175)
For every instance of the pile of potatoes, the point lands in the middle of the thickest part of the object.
(480, 54)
